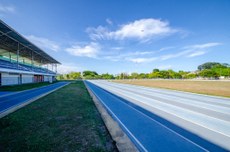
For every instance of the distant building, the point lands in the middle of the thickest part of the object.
(21, 61)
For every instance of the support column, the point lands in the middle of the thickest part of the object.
(18, 51)
(32, 59)
(55, 68)
(10, 56)
(40, 63)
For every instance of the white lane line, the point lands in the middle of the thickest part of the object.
(190, 102)
(210, 123)
(152, 120)
(120, 122)
(213, 99)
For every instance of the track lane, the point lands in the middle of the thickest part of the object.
(154, 137)
(9, 101)
(218, 128)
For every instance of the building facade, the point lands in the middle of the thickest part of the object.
(23, 62)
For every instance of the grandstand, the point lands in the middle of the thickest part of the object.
(21, 61)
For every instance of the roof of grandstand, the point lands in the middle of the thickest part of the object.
(11, 41)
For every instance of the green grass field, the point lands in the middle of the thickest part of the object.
(65, 120)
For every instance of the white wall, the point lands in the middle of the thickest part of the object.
(27, 78)
(9, 79)
(50, 79)
(46, 78)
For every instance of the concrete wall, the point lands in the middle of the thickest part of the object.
(46, 78)
(10, 79)
(15, 79)
(26, 78)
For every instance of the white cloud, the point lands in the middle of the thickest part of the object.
(90, 50)
(142, 29)
(141, 60)
(43, 42)
(109, 21)
(191, 51)
(67, 68)
(6, 8)
(175, 55)
(117, 48)
(197, 53)
(203, 46)
(98, 33)
(137, 56)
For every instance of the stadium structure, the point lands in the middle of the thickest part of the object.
(21, 61)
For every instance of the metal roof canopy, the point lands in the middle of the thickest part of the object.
(12, 41)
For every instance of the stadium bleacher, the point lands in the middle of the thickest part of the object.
(21, 61)
(20, 66)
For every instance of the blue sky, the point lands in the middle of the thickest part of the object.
(124, 36)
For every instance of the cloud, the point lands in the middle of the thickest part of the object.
(142, 29)
(43, 42)
(137, 56)
(90, 50)
(197, 53)
(117, 48)
(191, 51)
(175, 55)
(109, 21)
(203, 46)
(141, 60)
(6, 8)
(67, 68)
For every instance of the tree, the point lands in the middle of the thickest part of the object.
(156, 70)
(155, 75)
(174, 75)
(165, 74)
(190, 76)
(134, 75)
(75, 75)
(142, 76)
(60, 77)
(183, 74)
(208, 65)
(107, 76)
(90, 74)
(208, 73)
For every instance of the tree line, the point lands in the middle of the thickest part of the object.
(210, 70)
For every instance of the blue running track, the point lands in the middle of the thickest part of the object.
(148, 131)
(9, 101)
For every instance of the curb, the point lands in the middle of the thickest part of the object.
(20, 105)
(123, 142)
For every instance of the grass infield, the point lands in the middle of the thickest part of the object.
(217, 88)
(65, 120)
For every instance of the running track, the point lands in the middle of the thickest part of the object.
(14, 99)
(165, 120)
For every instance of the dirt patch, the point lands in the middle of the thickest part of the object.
(217, 88)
